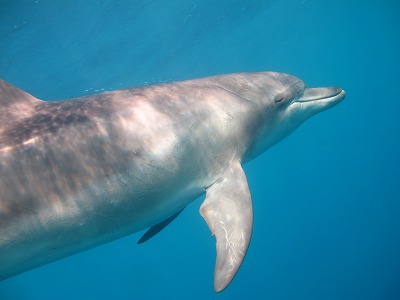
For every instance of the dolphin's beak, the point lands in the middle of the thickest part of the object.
(321, 98)
(326, 93)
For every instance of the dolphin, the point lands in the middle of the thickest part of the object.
(78, 173)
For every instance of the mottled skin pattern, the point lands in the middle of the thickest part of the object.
(78, 173)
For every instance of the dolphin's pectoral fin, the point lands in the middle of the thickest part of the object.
(228, 212)
(153, 230)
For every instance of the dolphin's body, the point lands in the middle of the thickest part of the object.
(75, 174)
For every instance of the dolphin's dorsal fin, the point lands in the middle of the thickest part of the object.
(11, 95)
(228, 212)
(153, 230)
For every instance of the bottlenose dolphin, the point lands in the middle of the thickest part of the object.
(78, 173)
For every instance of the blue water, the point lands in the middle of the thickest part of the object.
(326, 200)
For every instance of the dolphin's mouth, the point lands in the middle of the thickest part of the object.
(326, 94)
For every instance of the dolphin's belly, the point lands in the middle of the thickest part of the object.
(46, 222)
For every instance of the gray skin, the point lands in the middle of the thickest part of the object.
(79, 173)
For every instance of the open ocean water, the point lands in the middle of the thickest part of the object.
(326, 200)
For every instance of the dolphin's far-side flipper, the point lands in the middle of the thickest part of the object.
(153, 230)
(228, 212)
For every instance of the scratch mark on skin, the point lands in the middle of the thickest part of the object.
(126, 131)
(230, 246)
(235, 94)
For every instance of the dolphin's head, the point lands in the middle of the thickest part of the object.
(282, 103)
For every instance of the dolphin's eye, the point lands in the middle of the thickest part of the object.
(280, 99)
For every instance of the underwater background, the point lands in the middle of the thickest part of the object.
(326, 199)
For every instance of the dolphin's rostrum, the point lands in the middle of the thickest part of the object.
(78, 173)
